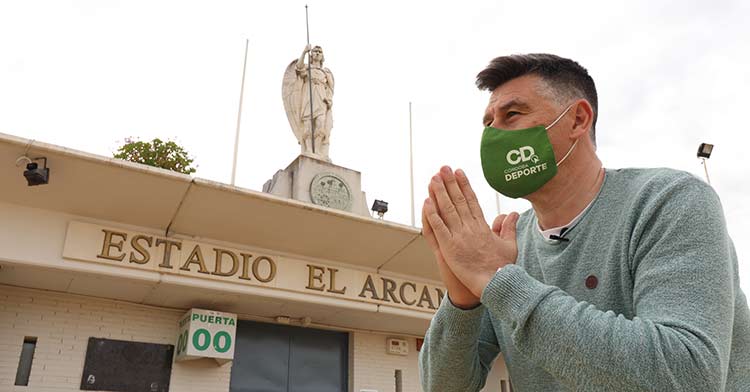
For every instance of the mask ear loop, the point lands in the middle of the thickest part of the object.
(569, 151)
(559, 117)
(574, 143)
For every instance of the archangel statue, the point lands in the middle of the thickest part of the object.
(309, 108)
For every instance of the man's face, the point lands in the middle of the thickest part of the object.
(518, 104)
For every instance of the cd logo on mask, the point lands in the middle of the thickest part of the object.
(523, 154)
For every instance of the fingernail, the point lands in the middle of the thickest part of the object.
(436, 178)
(460, 173)
(446, 169)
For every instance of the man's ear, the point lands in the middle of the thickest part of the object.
(584, 118)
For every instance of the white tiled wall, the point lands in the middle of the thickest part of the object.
(374, 369)
(63, 324)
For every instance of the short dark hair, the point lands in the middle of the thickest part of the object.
(565, 76)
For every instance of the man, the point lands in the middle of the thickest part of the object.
(615, 280)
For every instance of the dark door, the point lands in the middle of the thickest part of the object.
(280, 358)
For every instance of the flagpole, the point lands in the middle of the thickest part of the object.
(309, 81)
(497, 202)
(239, 114)
(411, 166)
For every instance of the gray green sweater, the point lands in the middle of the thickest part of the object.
(667, 312)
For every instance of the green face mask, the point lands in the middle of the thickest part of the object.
(517, 163)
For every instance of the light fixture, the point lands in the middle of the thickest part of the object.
(704, 152)
(380, 207)
(34, 175)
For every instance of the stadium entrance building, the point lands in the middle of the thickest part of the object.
(118, 276)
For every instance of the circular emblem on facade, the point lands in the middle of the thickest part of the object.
(330, 190)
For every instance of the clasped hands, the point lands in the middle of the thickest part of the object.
(468, 252)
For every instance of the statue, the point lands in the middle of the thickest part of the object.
(295, 91)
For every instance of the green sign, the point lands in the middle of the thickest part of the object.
(206, 334)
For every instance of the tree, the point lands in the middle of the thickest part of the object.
(166, 155)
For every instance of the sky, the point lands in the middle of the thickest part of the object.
(88, 74)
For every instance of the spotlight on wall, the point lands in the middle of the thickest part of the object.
(34, 175)
(704, 152)
(380, 207)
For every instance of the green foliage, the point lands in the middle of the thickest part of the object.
(166, 155)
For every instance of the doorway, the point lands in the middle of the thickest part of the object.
(282, 358)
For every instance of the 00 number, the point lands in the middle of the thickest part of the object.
(202, 339)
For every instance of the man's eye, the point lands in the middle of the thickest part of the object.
(511, 114)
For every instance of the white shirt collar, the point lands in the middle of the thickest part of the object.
(557, 231)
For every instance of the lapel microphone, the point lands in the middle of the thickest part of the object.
(560, 237)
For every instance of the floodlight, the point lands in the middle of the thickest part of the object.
(704, 150)
(380, 207)
(34, 175)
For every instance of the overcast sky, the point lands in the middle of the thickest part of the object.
(88, 74)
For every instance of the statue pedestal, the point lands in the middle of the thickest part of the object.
(322, 183)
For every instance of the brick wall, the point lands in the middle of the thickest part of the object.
(63, 324)
(375, 369)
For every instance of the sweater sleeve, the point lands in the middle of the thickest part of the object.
(680, 336)
(458, 350)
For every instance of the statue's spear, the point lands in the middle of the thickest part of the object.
(309, 82)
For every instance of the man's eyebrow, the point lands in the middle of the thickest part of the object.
(515, 102)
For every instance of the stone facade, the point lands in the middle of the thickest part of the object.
(297, 182)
